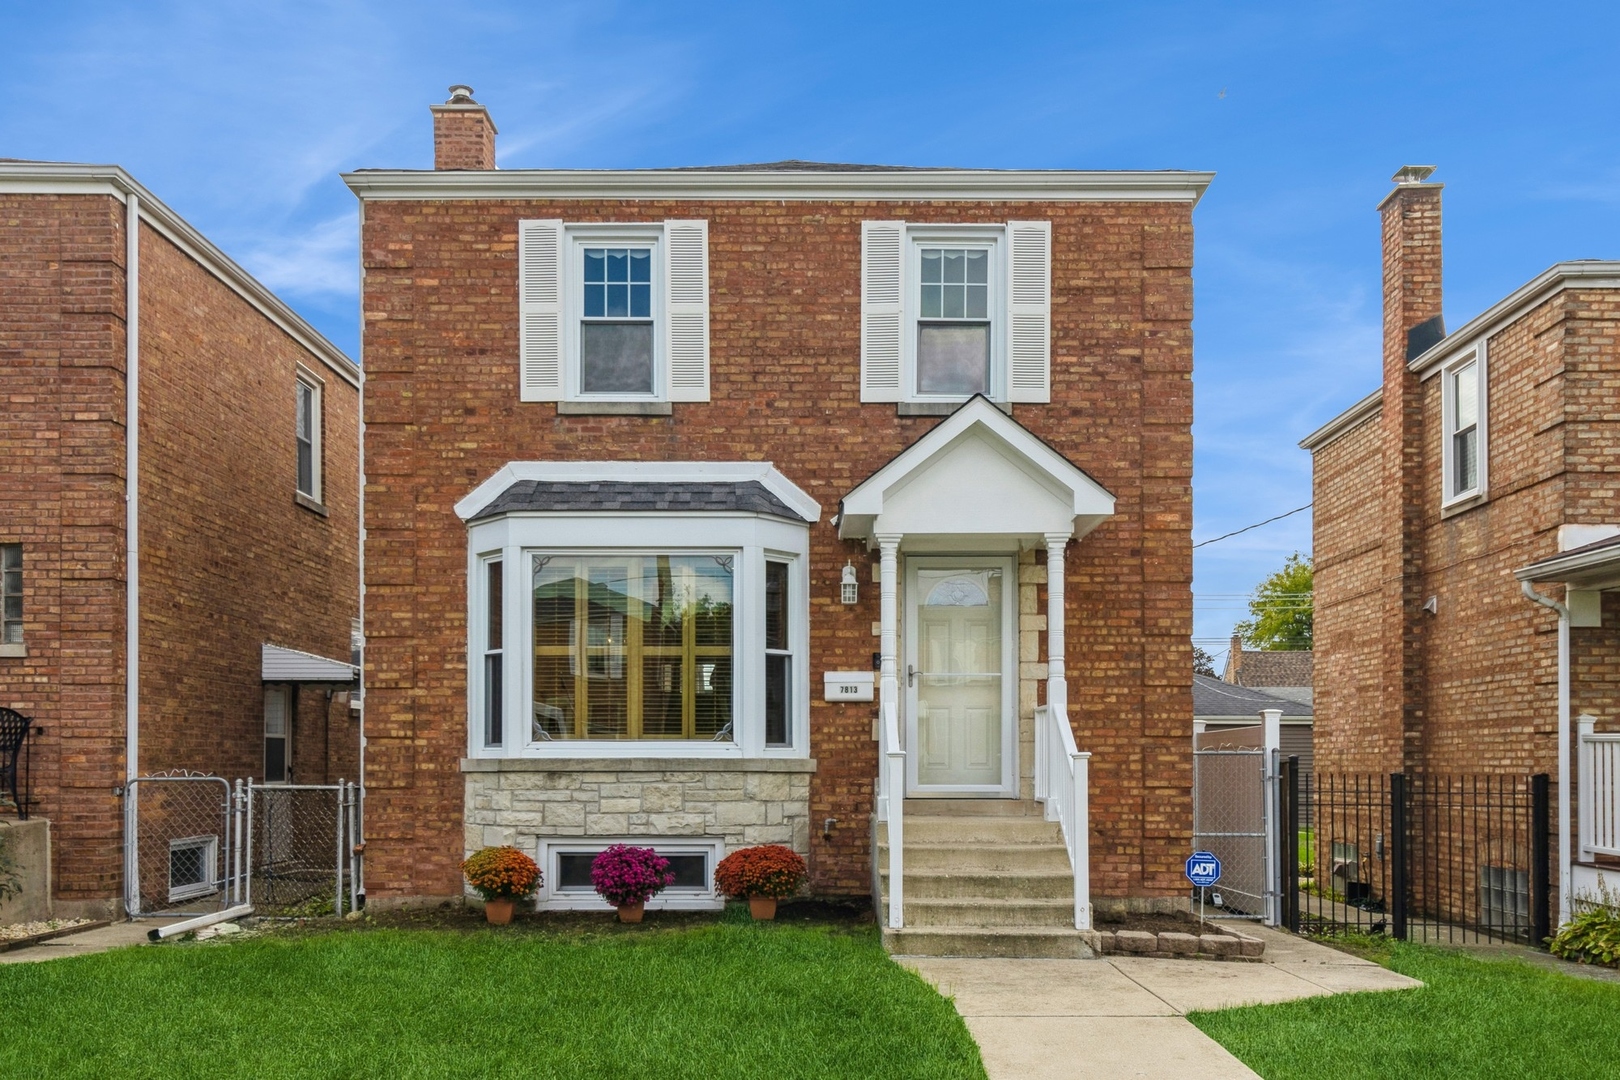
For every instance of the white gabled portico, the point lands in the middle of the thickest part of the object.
(948, 516)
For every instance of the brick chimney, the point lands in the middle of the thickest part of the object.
(1410, 217)
(463, 133)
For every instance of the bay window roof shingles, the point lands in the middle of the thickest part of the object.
(618, 496)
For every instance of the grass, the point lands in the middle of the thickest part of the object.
(1473, 1018)
(718, 1000)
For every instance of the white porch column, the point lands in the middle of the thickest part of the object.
(1057, 686)
(889, 640)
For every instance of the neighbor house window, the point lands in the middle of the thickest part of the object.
(275, 735)
(1464, 425)
(778, 657)
(953, 321)
(307, 436)
(11, 598)
(493, 665)
(616, 339)
(193, 862)
(633, 646)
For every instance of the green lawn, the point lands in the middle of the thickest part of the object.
(729, 999)
(1474, 1018)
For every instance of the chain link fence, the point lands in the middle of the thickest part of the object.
(1229, 821)
(197, 844)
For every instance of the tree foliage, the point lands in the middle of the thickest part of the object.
(1203, 663)
(1281, 608)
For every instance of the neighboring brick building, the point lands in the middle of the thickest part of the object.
(1486, 450)
(639, 377)
(246, 515)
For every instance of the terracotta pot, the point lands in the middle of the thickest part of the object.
(631, 912)
(498, 912)
(762, 907)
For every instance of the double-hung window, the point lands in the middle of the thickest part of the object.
(494, 654)
(778, 655)
(1463, 407)
(307, 435)
(613, 317)
(11, 599)
(950, 311)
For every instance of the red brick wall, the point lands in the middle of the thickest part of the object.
(442, 414)
(62, 496)
(228, 559)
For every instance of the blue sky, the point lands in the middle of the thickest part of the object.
(240, 116)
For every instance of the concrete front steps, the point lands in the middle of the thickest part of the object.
(983, 877)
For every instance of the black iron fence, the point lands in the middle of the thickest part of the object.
(1459, 859)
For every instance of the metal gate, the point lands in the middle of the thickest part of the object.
(1231, 800)
(196, 844)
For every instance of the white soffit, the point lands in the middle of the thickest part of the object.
(667, 472)
(978, 473)
(279, 665)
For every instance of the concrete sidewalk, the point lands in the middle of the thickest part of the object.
(1124, 1016)
(100, 939)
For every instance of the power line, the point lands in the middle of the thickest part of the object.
(1256, 525)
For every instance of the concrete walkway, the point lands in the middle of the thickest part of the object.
(100, 939)
(1123, 1016)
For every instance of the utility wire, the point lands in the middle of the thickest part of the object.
(1256, 525)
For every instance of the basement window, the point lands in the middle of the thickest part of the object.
(192, 861)
(11, 600)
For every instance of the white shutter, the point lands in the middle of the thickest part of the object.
(540, 270)
(1029, 311)
(686, 309)
(883, 281)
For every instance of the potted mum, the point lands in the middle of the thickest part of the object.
(502, 876)
(627, 877)
(763, 874)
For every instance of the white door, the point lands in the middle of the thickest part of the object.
(961, 724)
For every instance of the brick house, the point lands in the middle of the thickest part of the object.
(694, 495)
(239, 496)
(1484, 465)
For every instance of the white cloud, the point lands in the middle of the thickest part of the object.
(319, 261)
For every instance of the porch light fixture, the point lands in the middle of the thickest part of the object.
(851, 589)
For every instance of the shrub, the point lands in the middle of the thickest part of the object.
(625, 875)
(769, 871)
(1593, 936)
(502, 873)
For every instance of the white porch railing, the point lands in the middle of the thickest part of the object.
(1599, 790)
(891, 804)
(1062, 785)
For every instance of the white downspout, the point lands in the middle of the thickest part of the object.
(1530, 593)
(132, 533)
(360, 536)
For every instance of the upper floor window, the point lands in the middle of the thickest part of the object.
(949, 311)
(613, 314)
(1464, 423)
(11, 597)
(307, 435)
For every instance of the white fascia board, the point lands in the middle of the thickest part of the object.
(1582, 274)
(1598, 569)
(64, 178)
(1090, 499)
(1367, 407)
(668, 472)
(1056, 185)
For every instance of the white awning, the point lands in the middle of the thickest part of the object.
(281, 665)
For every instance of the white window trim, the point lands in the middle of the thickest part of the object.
(516, 538)
(206, 887)
(576, 238)
(550, 898)
(484, 650)
(993, 237)
(1448, 394)
(317, 422)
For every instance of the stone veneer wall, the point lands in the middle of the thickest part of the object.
(751, 801)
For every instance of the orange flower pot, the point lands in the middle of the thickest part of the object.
(631, 912)
(498, 912)
(762, 907)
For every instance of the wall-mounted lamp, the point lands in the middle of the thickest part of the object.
(851, 586)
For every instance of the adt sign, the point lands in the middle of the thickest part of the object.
(1203, 869)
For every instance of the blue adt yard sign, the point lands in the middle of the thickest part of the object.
(1203, 869)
